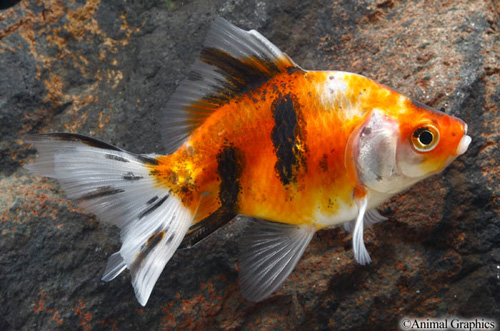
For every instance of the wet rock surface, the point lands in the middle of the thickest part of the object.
(107, 68)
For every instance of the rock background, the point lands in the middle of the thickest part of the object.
(107, 68)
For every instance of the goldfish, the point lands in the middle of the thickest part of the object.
(249, 132)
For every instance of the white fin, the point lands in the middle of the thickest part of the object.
(231, 62)
(358, 244)
(371, 217)
(269, 252)
(115, 266)
(117, 187)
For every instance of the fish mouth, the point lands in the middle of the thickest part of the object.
(464, 143)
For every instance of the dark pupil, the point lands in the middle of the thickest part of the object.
(425, 137)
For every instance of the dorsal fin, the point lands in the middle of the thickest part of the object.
(232, 62)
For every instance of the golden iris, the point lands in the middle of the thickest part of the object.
(425, 138)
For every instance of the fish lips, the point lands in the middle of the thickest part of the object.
(464, 143)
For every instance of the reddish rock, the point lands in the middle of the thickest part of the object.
(106, 69)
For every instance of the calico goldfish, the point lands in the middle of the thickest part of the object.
(249, 132)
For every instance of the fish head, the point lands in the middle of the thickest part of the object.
(429, 141)
(398, 147)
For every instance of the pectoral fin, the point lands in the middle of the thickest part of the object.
(269, 252)
(358, 244)
(371, 217)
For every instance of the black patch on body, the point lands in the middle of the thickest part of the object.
(241, 74)
(229, 168)
(101, 192)
(150, 244)
(116, 158)
(130, 176)
(285, 137)
(83, 139)
(153, 207)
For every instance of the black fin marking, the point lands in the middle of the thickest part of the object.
(153, 199)
(116, 158)
(194, 76)
(286, 138)
(101, 192)
(147, 159)
(241, 74)
(81, 139)
(201, 230)
(130, 176)
(172, 236)
(152, 242)
(153, 207)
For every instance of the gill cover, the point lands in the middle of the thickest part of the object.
(375, 149)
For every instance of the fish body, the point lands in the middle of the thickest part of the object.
(285, 155)
(250, 132)
(289, 140)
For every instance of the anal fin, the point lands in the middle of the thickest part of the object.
(204, 228)
(269, 252)
(210, 216)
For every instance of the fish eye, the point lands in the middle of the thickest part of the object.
(425, 138)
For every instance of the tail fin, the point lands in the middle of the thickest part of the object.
(117, 186)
